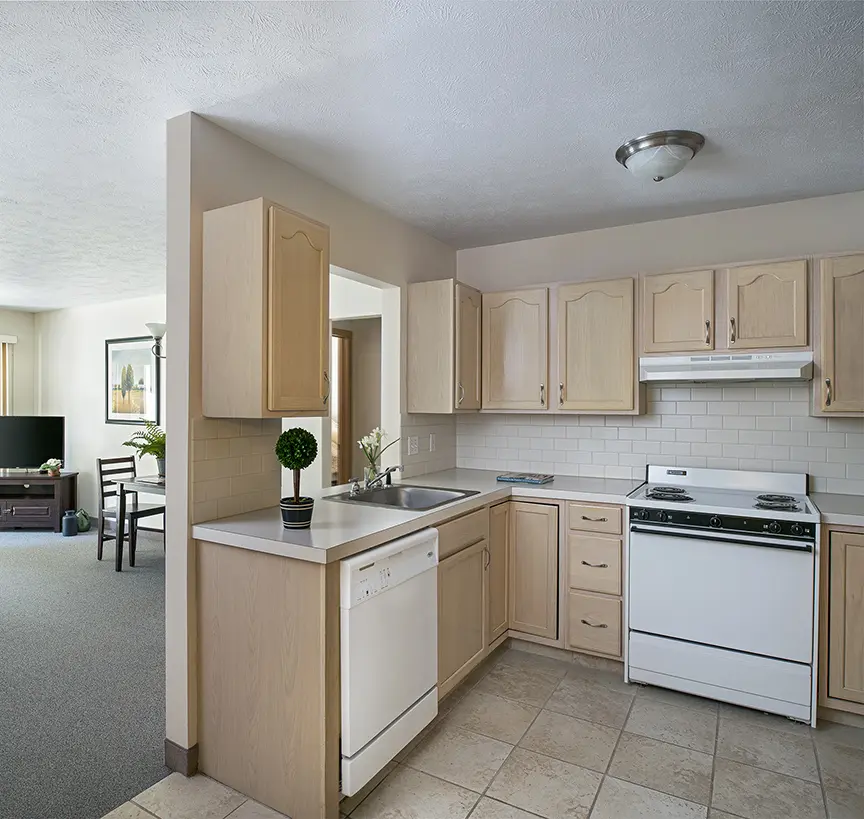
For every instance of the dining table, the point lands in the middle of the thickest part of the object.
(145, 485)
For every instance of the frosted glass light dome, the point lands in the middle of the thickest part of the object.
(660, 154)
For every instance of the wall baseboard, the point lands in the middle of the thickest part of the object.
(180, 759)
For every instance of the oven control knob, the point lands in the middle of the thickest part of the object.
(796, 529)
(642, 514)
(715, 522)
(662, 516)
(774, 527)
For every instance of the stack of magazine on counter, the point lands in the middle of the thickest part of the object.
(525, 477)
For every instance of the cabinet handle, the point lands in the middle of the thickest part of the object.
(595, 565)
(461, 395)
(561, 394)
(827, 392)
(327, 381)
(488, 557)
(594, 625)
(595, 520)
(732, 330)
(542, 394)
(707, 331)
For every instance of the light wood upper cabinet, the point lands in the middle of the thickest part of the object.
(265, 313)
(444, 341)
(678, 312)
(534, 569)
(515, 350)
(845, 617)
(499, 539)
(766, 305)
(842, 334)
(462, 611)
(595, 346)
(469, 341)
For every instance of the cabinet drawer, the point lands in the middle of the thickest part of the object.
(462, 532)
(595, 563)
(594, 623)
(33, 511)
(591, 518)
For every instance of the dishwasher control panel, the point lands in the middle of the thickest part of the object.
(367, 575)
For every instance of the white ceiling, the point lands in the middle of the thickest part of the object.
(480, 122)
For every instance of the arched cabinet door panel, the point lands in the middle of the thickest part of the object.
(678, 312)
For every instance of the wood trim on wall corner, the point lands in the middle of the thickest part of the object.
(180, 759)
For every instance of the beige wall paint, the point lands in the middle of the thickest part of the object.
(71, 376)
(23, 325)
(208, 167)
(828, 224)
(365, 383)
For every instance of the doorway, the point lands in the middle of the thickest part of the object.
(341, 434)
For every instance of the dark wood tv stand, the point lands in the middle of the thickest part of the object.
(31, 500)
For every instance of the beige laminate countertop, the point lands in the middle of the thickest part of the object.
(841, 510)
(340, 530)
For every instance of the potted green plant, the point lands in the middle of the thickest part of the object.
(52, 467)
(150, 441)
(296, 449)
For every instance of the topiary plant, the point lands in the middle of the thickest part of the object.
(296, 449)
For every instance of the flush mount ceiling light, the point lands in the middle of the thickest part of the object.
(660, 154)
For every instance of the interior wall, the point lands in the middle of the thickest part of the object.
(71, 382)
(208, 167)
(23, 325)
(353, 299)
(827, 224)
(365, 383)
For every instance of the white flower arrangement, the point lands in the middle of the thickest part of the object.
(52, 465)
(371, 446)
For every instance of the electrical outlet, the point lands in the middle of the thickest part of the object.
(413, 445)
(431, 441)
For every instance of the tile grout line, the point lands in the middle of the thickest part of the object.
(819, 772)
(714, 763)
(149, 813)
(611, 757)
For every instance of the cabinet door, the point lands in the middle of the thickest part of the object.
(677, 312)
(499, 538)
(595, 346)
(534, 569)
(845, 617)
(461, 614)
(767, 305)
(515, 347)
(469, 306)
(298, 337)
(842, 334)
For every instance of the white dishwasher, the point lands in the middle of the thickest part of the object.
(389, 652)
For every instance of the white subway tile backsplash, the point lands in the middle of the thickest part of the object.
(743, 426)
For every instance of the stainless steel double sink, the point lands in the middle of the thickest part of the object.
(403, 496)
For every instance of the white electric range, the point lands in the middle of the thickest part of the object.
(722, 587)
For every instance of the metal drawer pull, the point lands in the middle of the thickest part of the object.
(561, 394)
(594, 625)
(707, 331)
(827, 392)
(595, 520)
(595, 565)
(731, 330)
(461, 394)
(543, 394)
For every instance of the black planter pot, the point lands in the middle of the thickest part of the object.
(296, 515)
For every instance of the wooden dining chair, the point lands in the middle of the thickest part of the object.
(109, 470)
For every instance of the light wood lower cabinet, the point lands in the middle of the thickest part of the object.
(844, 612)
(499, 540)
(533, 570)
(594, 623)
(462, 614)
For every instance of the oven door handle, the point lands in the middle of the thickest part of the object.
(792, 547)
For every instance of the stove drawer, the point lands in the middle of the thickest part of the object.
(593, 518)
(594, 623)
(595, 563)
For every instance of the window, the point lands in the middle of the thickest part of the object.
(6, 345)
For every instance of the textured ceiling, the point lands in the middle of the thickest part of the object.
(479, 122)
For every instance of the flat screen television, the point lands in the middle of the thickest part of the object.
(27, 441)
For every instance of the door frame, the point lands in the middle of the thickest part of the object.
(344, 403)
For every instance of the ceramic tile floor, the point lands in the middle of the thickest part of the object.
(528, 736)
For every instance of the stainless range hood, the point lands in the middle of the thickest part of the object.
(728, 367)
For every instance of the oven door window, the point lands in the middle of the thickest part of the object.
(741, 596)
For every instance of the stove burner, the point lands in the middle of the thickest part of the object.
(776, 499)
(777, 507)
(668, 493)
